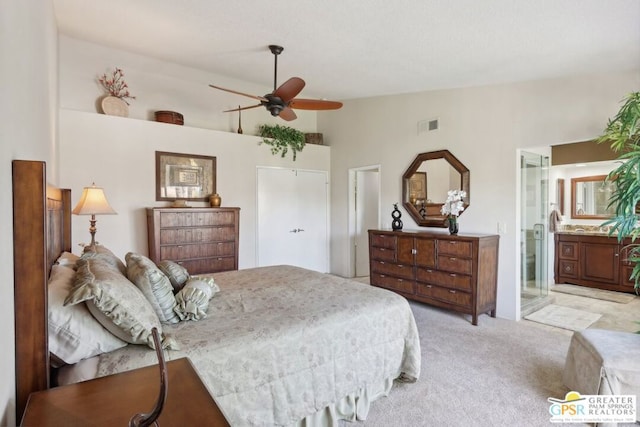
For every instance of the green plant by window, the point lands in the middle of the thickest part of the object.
(282, 139)
(623, 133)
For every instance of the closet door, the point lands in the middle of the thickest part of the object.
(292, 218)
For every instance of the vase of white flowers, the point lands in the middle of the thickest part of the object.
(452, 207)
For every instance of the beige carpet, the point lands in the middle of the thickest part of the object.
(499, 373)
(583, 291)
(564, 317)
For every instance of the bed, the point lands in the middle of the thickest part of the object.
(280, 345)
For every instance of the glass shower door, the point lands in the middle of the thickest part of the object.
(534, 174)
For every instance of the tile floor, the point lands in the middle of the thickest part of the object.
(615, 316)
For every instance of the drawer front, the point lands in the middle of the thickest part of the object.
(208, 265)
(451, 280)
(455, 264)
(202, 250)
(383, 241)
(393, 283)
(454, 248)
(568, 250)
(196, 235)
(383, 254)
(568, 268)
(195, 219)
(450, 296)
(398, 270)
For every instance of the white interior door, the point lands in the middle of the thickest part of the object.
(366, 216)
(292, 218)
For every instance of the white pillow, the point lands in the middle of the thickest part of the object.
(67, 259)
(115, 302)
(73, 332)
(155, 286)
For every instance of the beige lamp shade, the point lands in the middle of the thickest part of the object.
(93, 202)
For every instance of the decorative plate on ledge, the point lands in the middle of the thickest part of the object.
(114, 106)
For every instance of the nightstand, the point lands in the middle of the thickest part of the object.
(114, 399)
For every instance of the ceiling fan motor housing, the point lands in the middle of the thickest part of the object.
(275, 105)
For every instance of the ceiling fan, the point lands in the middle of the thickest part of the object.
(282, 100)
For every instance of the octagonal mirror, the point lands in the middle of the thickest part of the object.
(425, 185)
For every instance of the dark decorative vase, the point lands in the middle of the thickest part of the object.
(453, 225)
(396, 224)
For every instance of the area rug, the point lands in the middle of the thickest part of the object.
(563, 317)
(583, 291)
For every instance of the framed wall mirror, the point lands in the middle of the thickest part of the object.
(590, 197)
(426, 182)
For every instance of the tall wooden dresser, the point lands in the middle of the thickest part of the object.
(203, 240)
(457, 272)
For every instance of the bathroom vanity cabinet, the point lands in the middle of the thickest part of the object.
(593, 260)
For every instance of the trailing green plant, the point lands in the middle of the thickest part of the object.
(282, 139)
(623, 134)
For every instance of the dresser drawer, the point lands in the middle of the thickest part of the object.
(451, 280)
(178, 252)
(170, 236)
(196, 219)
(455, 248)
(383, 254)
(208, 265)
(383, 241)
(450, 296)
(393, 283)
(398, 270)
(455, 264)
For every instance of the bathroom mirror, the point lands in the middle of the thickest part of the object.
(590, 197)
(426, 182)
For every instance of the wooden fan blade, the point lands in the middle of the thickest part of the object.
(314, 104)
(287, 114)
(259, 98)
(243, 108)
(289, 89)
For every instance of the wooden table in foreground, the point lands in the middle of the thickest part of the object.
(114, 399)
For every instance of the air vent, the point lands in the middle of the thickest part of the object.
(428, 125)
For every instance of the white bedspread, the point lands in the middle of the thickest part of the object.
(281, 343)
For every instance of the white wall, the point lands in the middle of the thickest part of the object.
(161, 85)
(28, 111)
(118, 154)
(483, 127)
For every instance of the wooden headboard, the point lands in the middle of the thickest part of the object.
(41, 232)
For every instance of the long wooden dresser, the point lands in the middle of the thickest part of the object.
(457, 272)
(203, 240)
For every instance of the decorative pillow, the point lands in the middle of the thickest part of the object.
(100, 251)
(67, 259)
(116, 303)
(193, 299)
(177, 274)
(73, 332)
(155, 286)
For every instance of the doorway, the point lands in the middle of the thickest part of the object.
(534, 224)
(364, 214)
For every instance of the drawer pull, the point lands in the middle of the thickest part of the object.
(429, 271)
(451, 291)
(400, 280)
(429, 286)
(453, 275)
(381, 262)
(382, 249)
(453, 258)
(452, 243)
(383, 275)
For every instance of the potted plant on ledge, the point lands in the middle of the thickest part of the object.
(623, 133)
(282, 139)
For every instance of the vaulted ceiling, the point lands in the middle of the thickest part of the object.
(348, 49)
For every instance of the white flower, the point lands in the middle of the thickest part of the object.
(454, 204)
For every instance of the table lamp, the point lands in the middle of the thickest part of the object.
(93, 202)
